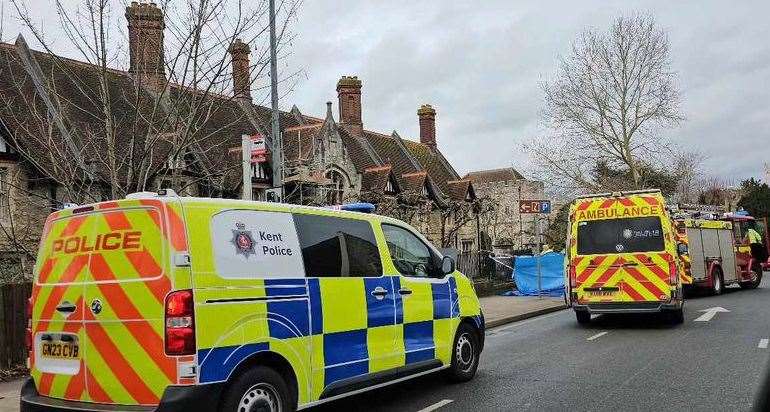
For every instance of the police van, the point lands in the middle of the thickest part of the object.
(159, 302)
(622, 256)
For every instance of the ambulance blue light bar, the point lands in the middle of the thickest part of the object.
(355, 207)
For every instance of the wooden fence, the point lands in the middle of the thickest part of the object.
(13, 323)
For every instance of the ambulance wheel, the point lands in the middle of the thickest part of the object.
(258, 389)
(716, 282)
(756, 279)
(676, 317)
(583, 317)
(465, 354)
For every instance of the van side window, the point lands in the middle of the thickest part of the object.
(336, 247)
(410, 255)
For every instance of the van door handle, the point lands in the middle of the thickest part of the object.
(630, 264)
(379, 292)
(66, 307)
(405, 291)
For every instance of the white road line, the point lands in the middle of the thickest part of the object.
(436, 405)
(762, 344)
(598, 335)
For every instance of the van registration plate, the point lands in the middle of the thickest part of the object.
(60, 350)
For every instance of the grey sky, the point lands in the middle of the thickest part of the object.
(479, 64)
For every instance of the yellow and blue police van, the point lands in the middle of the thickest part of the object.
(160, 302)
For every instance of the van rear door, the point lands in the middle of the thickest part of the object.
(622, 260)
(112, 263)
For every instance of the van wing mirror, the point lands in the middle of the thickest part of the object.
(447, 265)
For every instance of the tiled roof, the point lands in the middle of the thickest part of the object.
(494, 175)
(298, 142)
(217, 128)
(375, 179)
(434, 162)
(460, 189)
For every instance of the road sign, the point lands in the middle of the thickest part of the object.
(258, 149)
(534, 206)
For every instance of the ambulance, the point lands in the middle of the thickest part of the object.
(160, 302)
(622, 256)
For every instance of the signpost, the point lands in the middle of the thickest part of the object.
(537, 207)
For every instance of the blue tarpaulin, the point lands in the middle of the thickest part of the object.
(551, 272)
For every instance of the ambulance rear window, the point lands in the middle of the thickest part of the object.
(629, 235)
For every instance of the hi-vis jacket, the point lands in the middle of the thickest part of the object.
(263, 280)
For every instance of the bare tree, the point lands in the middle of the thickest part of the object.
(89, 131)
(611, 96)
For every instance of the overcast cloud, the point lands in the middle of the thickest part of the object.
(479, 64)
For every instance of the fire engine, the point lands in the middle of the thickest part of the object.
(711, 245)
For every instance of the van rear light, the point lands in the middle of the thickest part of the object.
(28, 332)
(180, 323)
(572, 277)
(673, 274)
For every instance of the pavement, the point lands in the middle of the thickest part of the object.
(499, 310)
(9, 395)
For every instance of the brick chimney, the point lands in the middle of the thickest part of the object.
(427, 115)
(145, 43)
(349, 92)
(241, 78)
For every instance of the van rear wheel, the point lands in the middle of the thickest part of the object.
(256, 390)
(583, 317)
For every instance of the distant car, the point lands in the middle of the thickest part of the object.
(168, 303)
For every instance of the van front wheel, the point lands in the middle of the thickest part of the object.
(257, 389)
(465, 354)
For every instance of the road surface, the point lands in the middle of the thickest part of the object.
(549, 363)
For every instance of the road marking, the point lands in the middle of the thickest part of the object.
(709, 313)
(598, 335)
(436, 405)
(762, 344)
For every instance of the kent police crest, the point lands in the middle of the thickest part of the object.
(244, 243)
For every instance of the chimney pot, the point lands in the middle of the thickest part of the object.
(241, 68)
(427, 115)
(349, 93)
(145, 38)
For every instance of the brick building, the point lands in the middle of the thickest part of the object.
(506, 229)
(62, 142)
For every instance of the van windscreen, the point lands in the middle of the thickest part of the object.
(628, 235)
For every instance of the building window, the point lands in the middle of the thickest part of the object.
(425, 190)
(336, 192)
(4, 146)
(389, 187)
(466, 245)
(258, 171)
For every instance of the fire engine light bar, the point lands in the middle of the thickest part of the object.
(355, 207)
